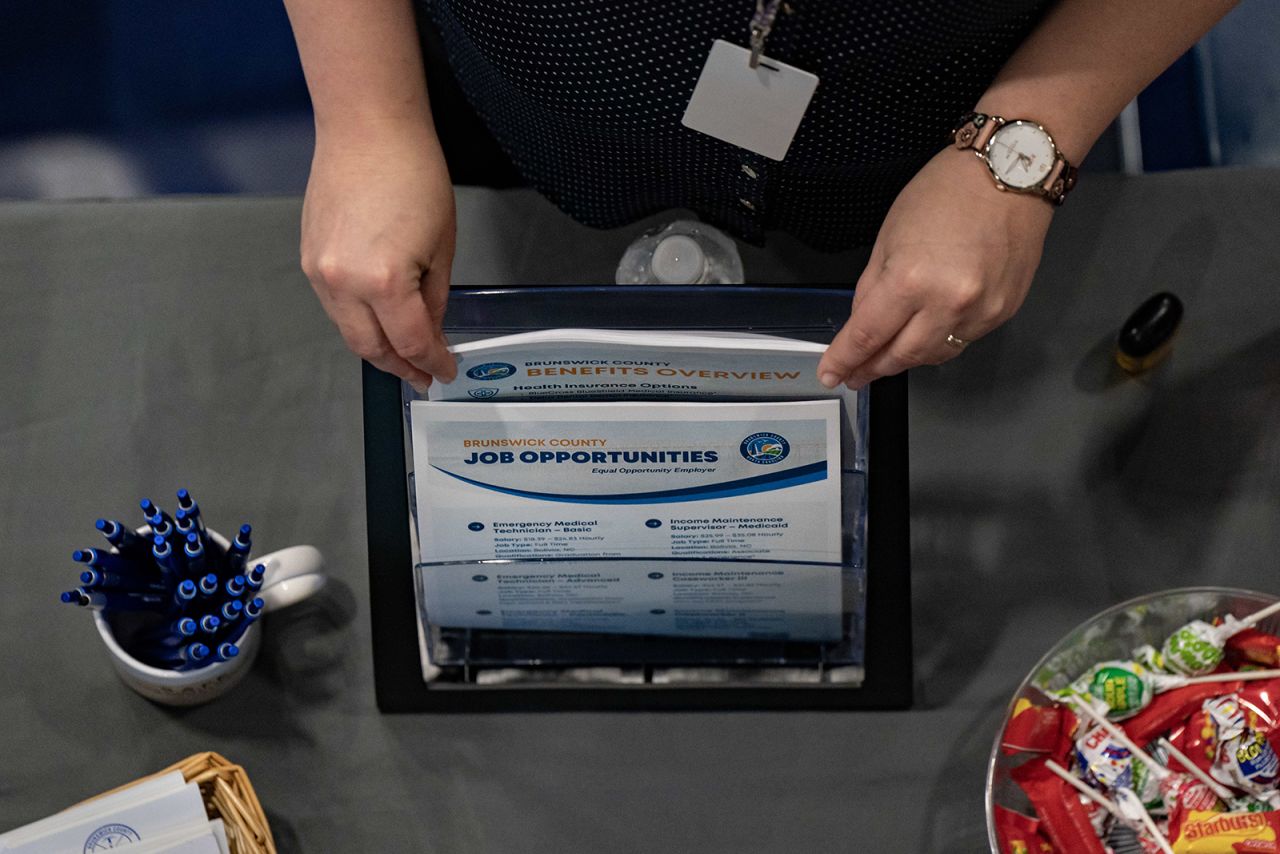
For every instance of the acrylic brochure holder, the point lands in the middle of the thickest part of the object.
(550, 629)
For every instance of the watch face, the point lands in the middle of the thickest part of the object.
(1021, 154)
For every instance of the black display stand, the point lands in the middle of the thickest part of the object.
(888, 653)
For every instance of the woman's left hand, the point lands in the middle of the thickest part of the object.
(954, 257)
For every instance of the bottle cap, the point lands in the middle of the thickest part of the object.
(678, 260)
(1147, 335)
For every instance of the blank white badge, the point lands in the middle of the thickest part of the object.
(758, 109)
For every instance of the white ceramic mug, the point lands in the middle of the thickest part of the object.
(292, 574)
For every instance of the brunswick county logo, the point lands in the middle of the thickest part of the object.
(491, 371)
(109, 837)
(765, 448)
(482, 393)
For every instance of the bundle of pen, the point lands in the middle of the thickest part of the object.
(176, 598)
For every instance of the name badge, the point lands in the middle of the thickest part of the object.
(758, 109)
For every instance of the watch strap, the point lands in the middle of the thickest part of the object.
(975, 131)
(1061, 178)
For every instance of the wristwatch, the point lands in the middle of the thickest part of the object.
(1020, 155)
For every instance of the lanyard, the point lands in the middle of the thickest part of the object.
(761, 25)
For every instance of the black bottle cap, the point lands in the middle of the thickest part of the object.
(1145, 337)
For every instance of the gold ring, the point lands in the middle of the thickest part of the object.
(957, 342)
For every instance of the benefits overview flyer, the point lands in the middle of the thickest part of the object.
(563, 364)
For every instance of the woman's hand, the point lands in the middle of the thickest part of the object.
(955, 256)
(377, 244)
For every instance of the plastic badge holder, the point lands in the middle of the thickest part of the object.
(473, 668)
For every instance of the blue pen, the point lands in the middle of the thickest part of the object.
(208, 584)
(240, 628)
(254, 607)
(185, 627)
(121, 600)
(191, 510)
(153, 514)
(197, 655)
(183, 594)
(164, 638)
(104, 560)
(96, 578)
(226, 652)
(193, 549)
(253, 578)
(209, 624)
(239, 551)
(75, 597)
(231, 610)
(196, 658)
(235, 587)
(120, 536)
(169, 534)
(164, 555)
(185, 657)
(186, 526)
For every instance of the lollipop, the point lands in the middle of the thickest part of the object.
(1128, 687)
(1197, 647)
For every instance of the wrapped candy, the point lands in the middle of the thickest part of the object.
(1020, 834)
(1252, 647)
(1107, 763)
(1183, 794)
(1197, 647)
(1062, 817)
(1171, 708)
(1126, 687)
(1039, 729)
(1243, 757)
(1248, 761)
(1229, 833)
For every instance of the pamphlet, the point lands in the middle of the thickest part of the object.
(690, 484)
(132, 815)
(747, 481)
(613, 364)
(685, 598)
(580, 363)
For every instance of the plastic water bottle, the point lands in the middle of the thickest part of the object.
(683, 252)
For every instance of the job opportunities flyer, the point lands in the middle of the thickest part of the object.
(758, 481)
(681, 598)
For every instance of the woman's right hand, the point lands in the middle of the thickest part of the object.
(378, 229)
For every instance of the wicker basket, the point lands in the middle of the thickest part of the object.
(228, 795)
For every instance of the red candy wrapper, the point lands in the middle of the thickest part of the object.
(1261, 703)
(1171, 708)
(1020, 834)
(1183, 794)
(1198, 739)
(1039, 729)
(1253, 647)
(1062, 817)
(1217, 751)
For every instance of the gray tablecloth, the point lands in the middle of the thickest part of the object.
(152, 345)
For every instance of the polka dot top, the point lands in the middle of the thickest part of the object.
(586, 97)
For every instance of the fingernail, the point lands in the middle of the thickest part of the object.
(420, 388)
(829, 379)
